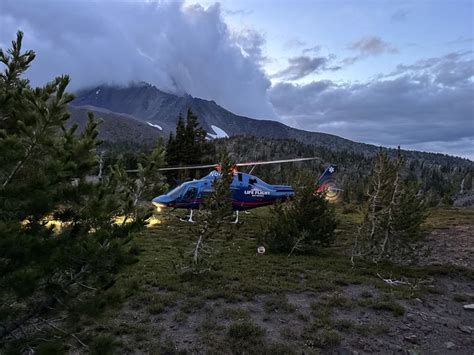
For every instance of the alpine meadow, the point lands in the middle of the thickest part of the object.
(243, 177)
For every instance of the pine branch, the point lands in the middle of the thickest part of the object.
(298, 241)
(47, 121)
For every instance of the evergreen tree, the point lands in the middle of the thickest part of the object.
(466, 184)
(189, 146)
(393, 215)
(306, 223)
(59, 243)
(153, 181)
(171, 149)
(215, 213)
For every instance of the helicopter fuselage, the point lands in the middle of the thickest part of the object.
(248, 191)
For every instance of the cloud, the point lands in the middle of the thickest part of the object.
(428, 105)
(175, 47)
(294, 43)
(423, 105)
(372, 45)
(369, 46)
(457, 147)
(462, 40)
(251, 43)
(451, 70)
(238, 12)
(302, 66)
(400, 15)
(314, 49)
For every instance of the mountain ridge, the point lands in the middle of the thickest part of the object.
(144, 103)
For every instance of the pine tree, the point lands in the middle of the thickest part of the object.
(153, 181)
(189, 146)
(174, 147)
(180, 140)
(306, 223)
(171, 149)
(393, 214)
(216, 212)
(60, 244)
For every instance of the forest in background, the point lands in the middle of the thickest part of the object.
(439, 183)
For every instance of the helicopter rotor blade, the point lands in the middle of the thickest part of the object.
(276, 161)
(205, 166)
(189, 167)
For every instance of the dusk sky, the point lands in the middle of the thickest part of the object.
(383, 72)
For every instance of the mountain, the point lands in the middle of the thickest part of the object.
(141, 112)
(150, 105)
(116, 127)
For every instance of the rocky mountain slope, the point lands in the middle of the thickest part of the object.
(141, 112)
(149, 104)
(116, 127)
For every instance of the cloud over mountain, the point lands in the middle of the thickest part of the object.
(424, 103)
(429, 103)
(176, 47)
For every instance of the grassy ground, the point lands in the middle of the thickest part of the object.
(274, 303)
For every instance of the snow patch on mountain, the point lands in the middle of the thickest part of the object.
(155, 125)
(219, 133)
(97, 92)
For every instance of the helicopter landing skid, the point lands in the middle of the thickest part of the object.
(188, 218)
(236, 217)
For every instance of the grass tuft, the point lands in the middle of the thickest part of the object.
(396, 308)
(245, 331)
(103, 345)
(279, 304)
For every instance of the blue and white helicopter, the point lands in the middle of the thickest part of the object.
(248, 191)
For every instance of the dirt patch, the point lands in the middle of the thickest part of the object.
(431, 324)
(453, 245)
(364, 318)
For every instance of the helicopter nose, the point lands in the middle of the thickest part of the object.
(161, 201)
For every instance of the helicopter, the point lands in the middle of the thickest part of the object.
(248, 191)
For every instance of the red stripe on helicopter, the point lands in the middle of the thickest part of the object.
(235, 203)
(256, 203)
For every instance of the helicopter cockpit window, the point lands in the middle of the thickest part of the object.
(239, 175)
(252, 181)
(178, 191)
(190, 194)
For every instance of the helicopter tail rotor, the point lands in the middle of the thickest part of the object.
(331, 190)
(327, 184)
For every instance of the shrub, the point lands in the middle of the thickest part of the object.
(305, 223)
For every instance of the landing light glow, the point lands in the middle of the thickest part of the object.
(57, 226)
(159, 206)
(152, 221)
(50, 222)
